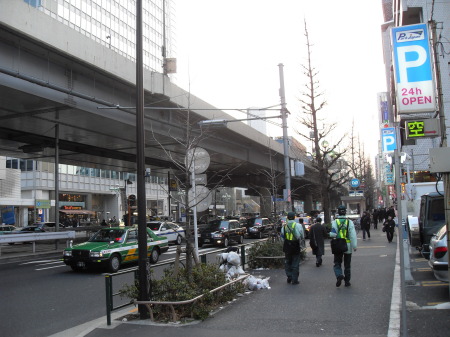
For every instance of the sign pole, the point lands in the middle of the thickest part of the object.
(398, 191)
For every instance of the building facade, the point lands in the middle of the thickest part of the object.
(86, 194)
(436, 15)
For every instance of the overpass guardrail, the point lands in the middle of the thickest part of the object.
(33, 237)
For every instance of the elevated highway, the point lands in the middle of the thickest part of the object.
(88, 91)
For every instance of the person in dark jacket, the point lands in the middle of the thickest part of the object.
(389, 227)
(365, 225)
(317, 235)
(375, 218)
(390, 212)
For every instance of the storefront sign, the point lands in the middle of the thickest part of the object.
(413, 72)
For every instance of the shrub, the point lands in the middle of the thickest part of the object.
(271, 253)
(172, 288)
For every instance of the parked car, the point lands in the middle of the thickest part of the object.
(259, 227)
(111, 247)
(47, 226)
(221, 232)
(29, 229)
(172, 231)
(439, 255)
(7, 229)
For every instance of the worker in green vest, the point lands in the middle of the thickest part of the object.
(342, 227)
(292, 233)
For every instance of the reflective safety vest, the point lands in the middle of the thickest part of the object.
(342, 229)
(289, 233)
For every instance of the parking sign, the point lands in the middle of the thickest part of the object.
(413, 71)
(388, 140)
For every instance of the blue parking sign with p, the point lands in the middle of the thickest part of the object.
(388, 140)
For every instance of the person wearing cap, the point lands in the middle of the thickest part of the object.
(342, 227)
(292, 233)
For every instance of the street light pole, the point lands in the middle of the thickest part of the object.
(284, 111)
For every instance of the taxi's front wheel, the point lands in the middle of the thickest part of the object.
(114, 263)
(154, 257)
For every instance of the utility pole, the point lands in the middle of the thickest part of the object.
(140, 165)
(284, 112)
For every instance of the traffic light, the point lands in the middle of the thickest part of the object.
(131, 200)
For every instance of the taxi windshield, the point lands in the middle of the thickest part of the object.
(107, 235)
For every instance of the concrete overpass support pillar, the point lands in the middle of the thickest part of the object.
(308, 202)
(265, 202)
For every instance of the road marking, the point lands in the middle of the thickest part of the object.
(36, 262)
(433, 284)
(396, 300)
(429, 303)
(362, 247)
(422, 269)
(51, 267)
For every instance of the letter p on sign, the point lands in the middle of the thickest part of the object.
(388, 139)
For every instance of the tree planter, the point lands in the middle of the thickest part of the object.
(173, 304)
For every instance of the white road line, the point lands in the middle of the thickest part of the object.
(51, 267)
(36, 262)
(396, 301)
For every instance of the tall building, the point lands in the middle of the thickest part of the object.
(27, 187)
(112, 23)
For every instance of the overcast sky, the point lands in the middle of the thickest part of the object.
(228, 54)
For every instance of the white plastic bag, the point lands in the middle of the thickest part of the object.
(234, 259)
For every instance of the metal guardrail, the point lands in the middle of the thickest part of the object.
(109, 277)
(33, 237)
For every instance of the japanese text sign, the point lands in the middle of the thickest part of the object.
(413, 71)
(424, 128)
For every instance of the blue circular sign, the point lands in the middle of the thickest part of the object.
(354, 183)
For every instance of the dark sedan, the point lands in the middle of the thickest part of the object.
(259, 227)
(221, 232)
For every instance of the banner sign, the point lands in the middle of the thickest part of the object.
(8, 215)
(413, 71)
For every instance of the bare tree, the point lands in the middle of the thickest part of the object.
(326, 156)
(188, 141)
(361, 168)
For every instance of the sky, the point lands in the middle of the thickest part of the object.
(228, 54)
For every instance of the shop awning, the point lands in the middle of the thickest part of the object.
(77, 211)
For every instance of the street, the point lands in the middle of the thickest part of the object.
(44, 297)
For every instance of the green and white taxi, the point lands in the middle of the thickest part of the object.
(111, 247)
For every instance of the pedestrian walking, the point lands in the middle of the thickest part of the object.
(292, 233)
(365, 225)
(391, 212)
(375, 218)
(317, 235)
(342, 227)
(389, 227)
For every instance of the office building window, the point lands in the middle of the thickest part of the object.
(34, 3)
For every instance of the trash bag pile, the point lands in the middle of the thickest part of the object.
(230, 264)
(255, 283)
